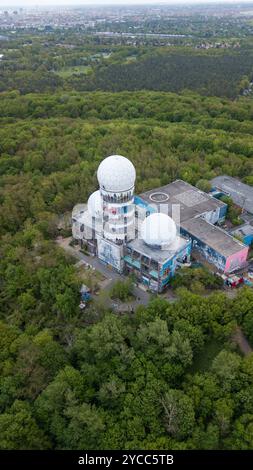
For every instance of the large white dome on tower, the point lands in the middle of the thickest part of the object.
(95, 204)
(116, 174)
(159, 230)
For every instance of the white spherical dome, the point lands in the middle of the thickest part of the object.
(159, 230)
(95, 204)
(116, 173)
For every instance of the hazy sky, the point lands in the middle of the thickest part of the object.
(32, 3)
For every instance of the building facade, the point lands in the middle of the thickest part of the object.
(200, 216)
(152, 234)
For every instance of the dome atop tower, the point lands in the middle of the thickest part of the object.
(159, 230)
(95, 205)
(116, 174)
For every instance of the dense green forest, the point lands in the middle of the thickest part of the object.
(51, 149)
(209, 74)
(85, 63)
(128, 383)
(169, 375)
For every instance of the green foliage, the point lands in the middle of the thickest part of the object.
(95, 380)
(20, 431)
(233, 212)
(243, 311)
(122, 290)
(204, 185)
(209, 74)
(125, 382)
(248, 326)
(178, 414)
(196, 279)
(89, 65)
(226, 367)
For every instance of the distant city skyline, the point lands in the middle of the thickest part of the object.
(52, 3)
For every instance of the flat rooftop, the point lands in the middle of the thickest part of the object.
(242, 194)
(213, 236)
(154, 253)
(193, 202)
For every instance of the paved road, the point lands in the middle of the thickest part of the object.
(142, 297)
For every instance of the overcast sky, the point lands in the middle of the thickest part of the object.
(33, 3)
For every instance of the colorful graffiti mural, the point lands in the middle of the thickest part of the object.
(110, 253)
(236, 260)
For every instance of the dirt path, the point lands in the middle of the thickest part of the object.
(242, 342)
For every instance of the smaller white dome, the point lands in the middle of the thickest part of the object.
(159, 230)
(95, 204)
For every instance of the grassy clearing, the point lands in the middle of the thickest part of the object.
(67, 72)
(131, 58)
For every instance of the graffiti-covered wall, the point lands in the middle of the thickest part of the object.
(237, 260)
(110, 253)
(209, 253)
(167, 270)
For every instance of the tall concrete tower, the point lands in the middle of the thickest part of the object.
(116, 177)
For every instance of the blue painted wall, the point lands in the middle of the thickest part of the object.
(248, 240)
(144, 205)
(171, 264)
